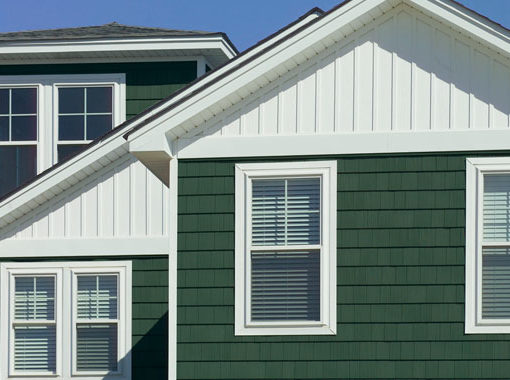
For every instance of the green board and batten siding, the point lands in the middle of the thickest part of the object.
(400, 279)
(149, 354)
(146, 82)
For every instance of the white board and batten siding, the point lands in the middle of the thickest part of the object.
(403, 72)
(123, 206)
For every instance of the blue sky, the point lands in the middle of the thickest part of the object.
(245, 21)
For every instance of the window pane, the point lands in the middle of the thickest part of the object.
(97, 297)
(34, 348)
(99, 99)
(4, 101)
(496, 207)
(24, 128)
(496, 283)
(96, 347)
(4, 128)
(268, 212)
(18, 164)
(98, 125)
(34, 298)
(71, 128)
(286, 211)
(71, 100)
(24, 100)
(65, 151)
(285, 286)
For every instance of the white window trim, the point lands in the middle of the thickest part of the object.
(476, 168)
(65, 273)
(244, 173)
(47, 111)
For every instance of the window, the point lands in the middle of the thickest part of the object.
(66, 320)
(18, 136)
(285, 248)
(488, 245)
(45, 119)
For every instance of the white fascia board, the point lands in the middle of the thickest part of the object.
(251, 71)
(480, 29)
(347, 143)
(111, 45)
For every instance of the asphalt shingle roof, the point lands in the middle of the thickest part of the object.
(111, 30)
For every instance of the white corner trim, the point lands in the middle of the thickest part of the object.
(172, 269)
(327, 170)
(476, 168)
(84, 247)
(345, 143)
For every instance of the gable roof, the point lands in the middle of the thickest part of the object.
(298, 37)
(111, 30)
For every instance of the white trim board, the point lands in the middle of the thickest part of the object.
(84, 247)
(360, 143)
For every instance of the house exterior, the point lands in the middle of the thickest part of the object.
(331, 203)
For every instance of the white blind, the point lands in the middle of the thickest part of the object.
(286, 211)
(285, 286)
(496, 260)
(34, 345)
(34, 298)
(96, 347)
(34, 348)
(96, 344)
(97, 297)
(285, 283)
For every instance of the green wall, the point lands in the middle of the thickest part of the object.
(149, 354)
(400, 280)
(146, 82)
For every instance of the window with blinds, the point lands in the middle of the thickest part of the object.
(96, 323)
(496, 247)
(33, 325)
(66, 320)
(285, 248)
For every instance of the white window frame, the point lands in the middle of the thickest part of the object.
(244, 173)
(65, 314)
(476, 168)
(47, 110)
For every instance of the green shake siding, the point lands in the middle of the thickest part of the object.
(149, 354)
(146, 83)
(400, 280)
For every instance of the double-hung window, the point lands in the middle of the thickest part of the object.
(285, 248)
(488, 245)
(66, 320)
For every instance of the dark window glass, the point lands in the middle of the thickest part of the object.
(98, 125)
(4, 128)
(65, 151)
(4, 101)
(18, 164)
(24, 128)
(99, 99)
(24, 100)
(71, 100)
(71, 127)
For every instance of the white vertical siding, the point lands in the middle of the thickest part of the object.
(122, 200)
(402, 72)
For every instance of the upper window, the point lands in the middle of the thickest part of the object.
(488, 245)
(285, 248)
(66, 320)
(45, 119)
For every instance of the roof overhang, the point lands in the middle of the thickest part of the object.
(217, 50)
